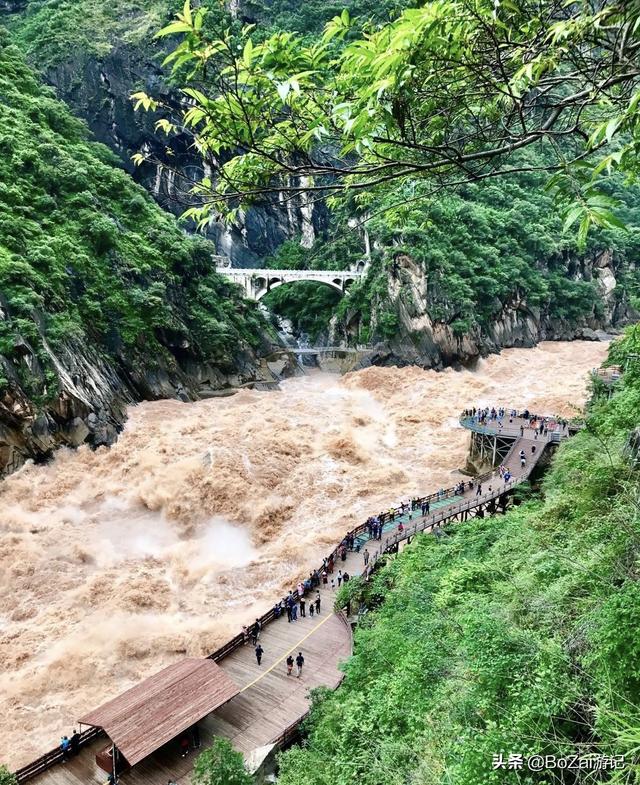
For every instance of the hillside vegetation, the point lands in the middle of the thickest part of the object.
(85, 254)
(478, 248)
(514, 634)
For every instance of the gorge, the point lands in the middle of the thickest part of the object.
(437, 200)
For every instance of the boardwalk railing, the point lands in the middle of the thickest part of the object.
(52, 757)
(428, 523)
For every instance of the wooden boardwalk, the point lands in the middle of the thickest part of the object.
(270, 701)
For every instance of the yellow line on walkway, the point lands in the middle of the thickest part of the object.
(285, 655)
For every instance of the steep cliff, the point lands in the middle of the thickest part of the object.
(103, 299)
(417, 337)
(96, 55)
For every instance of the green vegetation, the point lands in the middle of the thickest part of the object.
(6, 777)
(479, 247)
(443, 93)
(311, 16)
(483, 246)
(85, 254)
(52, 31)
(514, 634)
(307, 305)
(220, 765)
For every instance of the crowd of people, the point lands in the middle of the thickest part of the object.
(539, 423)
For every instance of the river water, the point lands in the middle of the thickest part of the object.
(117, 562)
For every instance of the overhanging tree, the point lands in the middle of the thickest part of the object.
(448, 92)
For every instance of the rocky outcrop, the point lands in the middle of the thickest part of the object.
(422, 340)
(84, 394)
(98, 90)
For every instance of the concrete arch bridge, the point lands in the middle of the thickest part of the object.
(256, 283)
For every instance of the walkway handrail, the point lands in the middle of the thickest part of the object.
(52, 757)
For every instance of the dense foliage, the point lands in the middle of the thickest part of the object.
(480, 247)
(447, 91)
(86, 254)
(52, 31)
(220, 765)
(6, 777)
(311, 16)
(514, 634)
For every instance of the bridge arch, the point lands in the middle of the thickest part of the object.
(259, 282)
(264, 290)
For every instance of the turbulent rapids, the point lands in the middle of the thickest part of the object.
(117, 562)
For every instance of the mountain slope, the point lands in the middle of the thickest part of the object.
(103, 299)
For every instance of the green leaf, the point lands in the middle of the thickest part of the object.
(173, 28)
(247, 54)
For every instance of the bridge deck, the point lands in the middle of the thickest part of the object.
(270, 701)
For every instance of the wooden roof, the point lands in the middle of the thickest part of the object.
(153, 712)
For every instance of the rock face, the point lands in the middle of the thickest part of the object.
(98, 90)
(424, 341)
(93, 391)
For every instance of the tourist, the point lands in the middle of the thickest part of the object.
(333, 585)
(479, 490)
(195, 736)
(299, 663)
(303, 608)
(533, 449)
(300, 588)
(340, 577)
(400, 527)
(245, 635)
(318, 603)
(288, 611)
(277, 610)
(312, 608)
(345, 578)
(65, 746)
(255, 632)
(74, 742)
(184, 746)
(366, 557)
(259, 653)
(289, 665)
(324, 577)
(294, 612)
